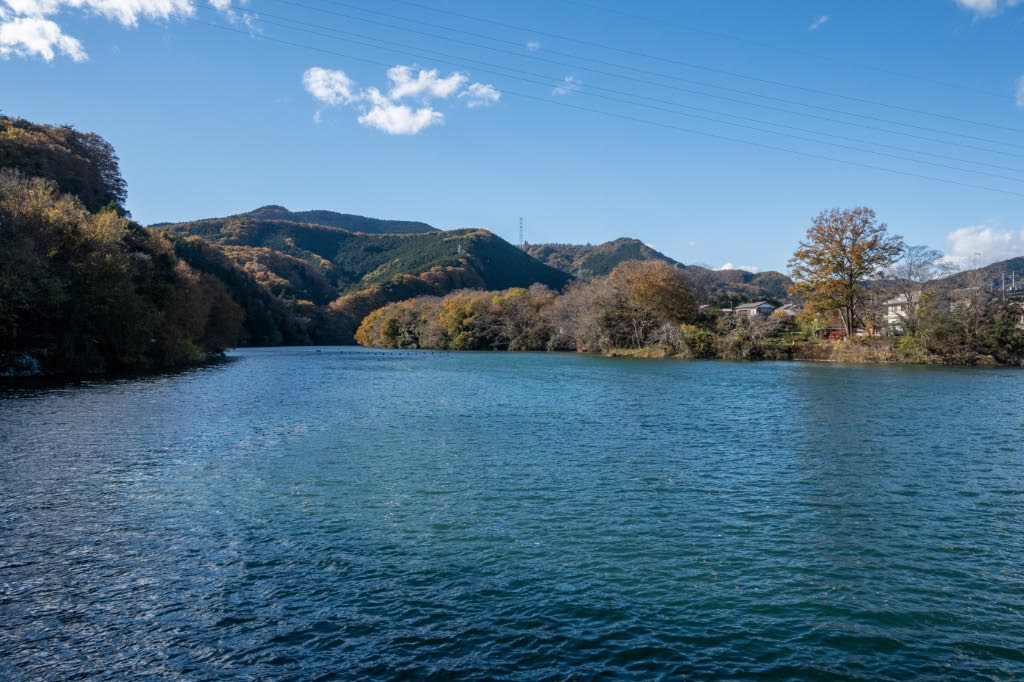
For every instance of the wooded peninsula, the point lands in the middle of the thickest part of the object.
(85, 290)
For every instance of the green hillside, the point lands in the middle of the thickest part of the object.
(350, 261)
(356, 273)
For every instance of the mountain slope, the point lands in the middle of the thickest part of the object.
(989, 276)
(356, 272)
(350, 261)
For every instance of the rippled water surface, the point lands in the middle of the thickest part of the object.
(297, 514)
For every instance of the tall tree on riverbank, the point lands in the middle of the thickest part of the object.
(842, 250)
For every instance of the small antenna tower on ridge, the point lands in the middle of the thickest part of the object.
(522, 242)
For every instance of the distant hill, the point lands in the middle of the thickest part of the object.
(587, 260)
(716, 286)
(989, 275)
(345, 221)
(728, 287)
(352, 260)
(356, 272)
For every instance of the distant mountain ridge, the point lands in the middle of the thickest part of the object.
(990, 276)
(344, 221)
(720, 286)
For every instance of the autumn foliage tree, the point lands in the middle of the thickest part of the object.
(842, 250)
(90, 292)
(81, 164)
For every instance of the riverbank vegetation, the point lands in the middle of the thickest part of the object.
(596, 316)
(84, 289)
(88, 292)
(649, 309)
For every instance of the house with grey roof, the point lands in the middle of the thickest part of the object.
(759, 309)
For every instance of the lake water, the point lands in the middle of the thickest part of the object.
(296, 514)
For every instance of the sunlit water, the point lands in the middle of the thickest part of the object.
(297, 514)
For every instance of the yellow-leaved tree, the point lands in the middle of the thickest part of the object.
(842, 251)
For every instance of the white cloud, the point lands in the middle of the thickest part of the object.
(125, 12)
(978, 245)
(747, 268)
(30, 28)
(987, 8)
(37, 37)
(818, 23)
(400, 119)
(1020, 92)
(329, 87)
(480, 95)
(426, 84)
(533, 46)
(385, 111)
(568, 84)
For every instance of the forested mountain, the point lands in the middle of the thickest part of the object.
(345, 221)
(360, 272)
(587, 260)
(729, 287)
(724, 287)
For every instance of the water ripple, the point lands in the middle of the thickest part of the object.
(351, 514)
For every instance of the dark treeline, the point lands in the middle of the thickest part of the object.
(86, 292)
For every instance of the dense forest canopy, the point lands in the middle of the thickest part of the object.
(80, 164)
(84, 291)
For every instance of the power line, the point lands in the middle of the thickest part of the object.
(661, 21)
(700, 67)
(634, 119)
(700, 93)
(675, 110)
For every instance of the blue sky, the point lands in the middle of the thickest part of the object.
(591, 119)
